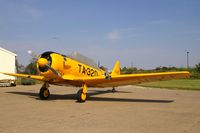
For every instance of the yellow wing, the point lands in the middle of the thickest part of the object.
(129, 79)
(115, 80)
(41, 78)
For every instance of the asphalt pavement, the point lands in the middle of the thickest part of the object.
(131, 109)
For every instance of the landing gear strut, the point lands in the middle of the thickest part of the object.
(44, 92)
(82, 94)
(113, 90)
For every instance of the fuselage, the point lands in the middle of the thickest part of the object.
(65, 66)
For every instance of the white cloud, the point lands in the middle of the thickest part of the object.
(121, 34)
(114, 35)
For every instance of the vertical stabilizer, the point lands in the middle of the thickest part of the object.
(116, 69)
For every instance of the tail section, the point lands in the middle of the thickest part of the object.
(116, 69)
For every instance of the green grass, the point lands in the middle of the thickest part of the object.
(186, 84)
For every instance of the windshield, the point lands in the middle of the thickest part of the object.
(83, 59)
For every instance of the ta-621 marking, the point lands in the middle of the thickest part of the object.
(87, 71)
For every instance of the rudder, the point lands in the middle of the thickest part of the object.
(116, 69)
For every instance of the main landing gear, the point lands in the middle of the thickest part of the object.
(44, 92)
(82, 94)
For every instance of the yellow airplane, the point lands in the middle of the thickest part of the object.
(78, 70)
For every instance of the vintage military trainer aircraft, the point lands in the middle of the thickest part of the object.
(78, 70)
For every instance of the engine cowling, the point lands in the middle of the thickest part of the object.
(49, 62)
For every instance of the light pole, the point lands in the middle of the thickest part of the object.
(188, 60)
(131, 64)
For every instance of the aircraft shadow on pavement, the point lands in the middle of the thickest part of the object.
(92, 97)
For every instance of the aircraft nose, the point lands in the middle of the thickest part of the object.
(42, 62)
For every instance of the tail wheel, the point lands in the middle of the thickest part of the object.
(44, 93)
(81, 97)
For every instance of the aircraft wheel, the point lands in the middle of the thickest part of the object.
(113, 90)
(81, 97)
(44, 93)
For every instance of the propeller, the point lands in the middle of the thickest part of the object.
(54, 71)
(44, 62)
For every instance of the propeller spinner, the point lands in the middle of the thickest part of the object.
(42, 62)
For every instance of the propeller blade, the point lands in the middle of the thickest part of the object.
(53, 70)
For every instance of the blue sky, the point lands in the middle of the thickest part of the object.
(144, 33)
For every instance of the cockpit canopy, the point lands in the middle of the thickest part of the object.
(83, 59)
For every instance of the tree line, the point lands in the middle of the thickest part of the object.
(195, 71)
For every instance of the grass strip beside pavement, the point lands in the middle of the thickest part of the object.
(185, 84)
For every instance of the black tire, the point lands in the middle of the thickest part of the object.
(13, 84)
(79, 96)
(44, 93)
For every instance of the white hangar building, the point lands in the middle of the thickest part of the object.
(7, 64)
